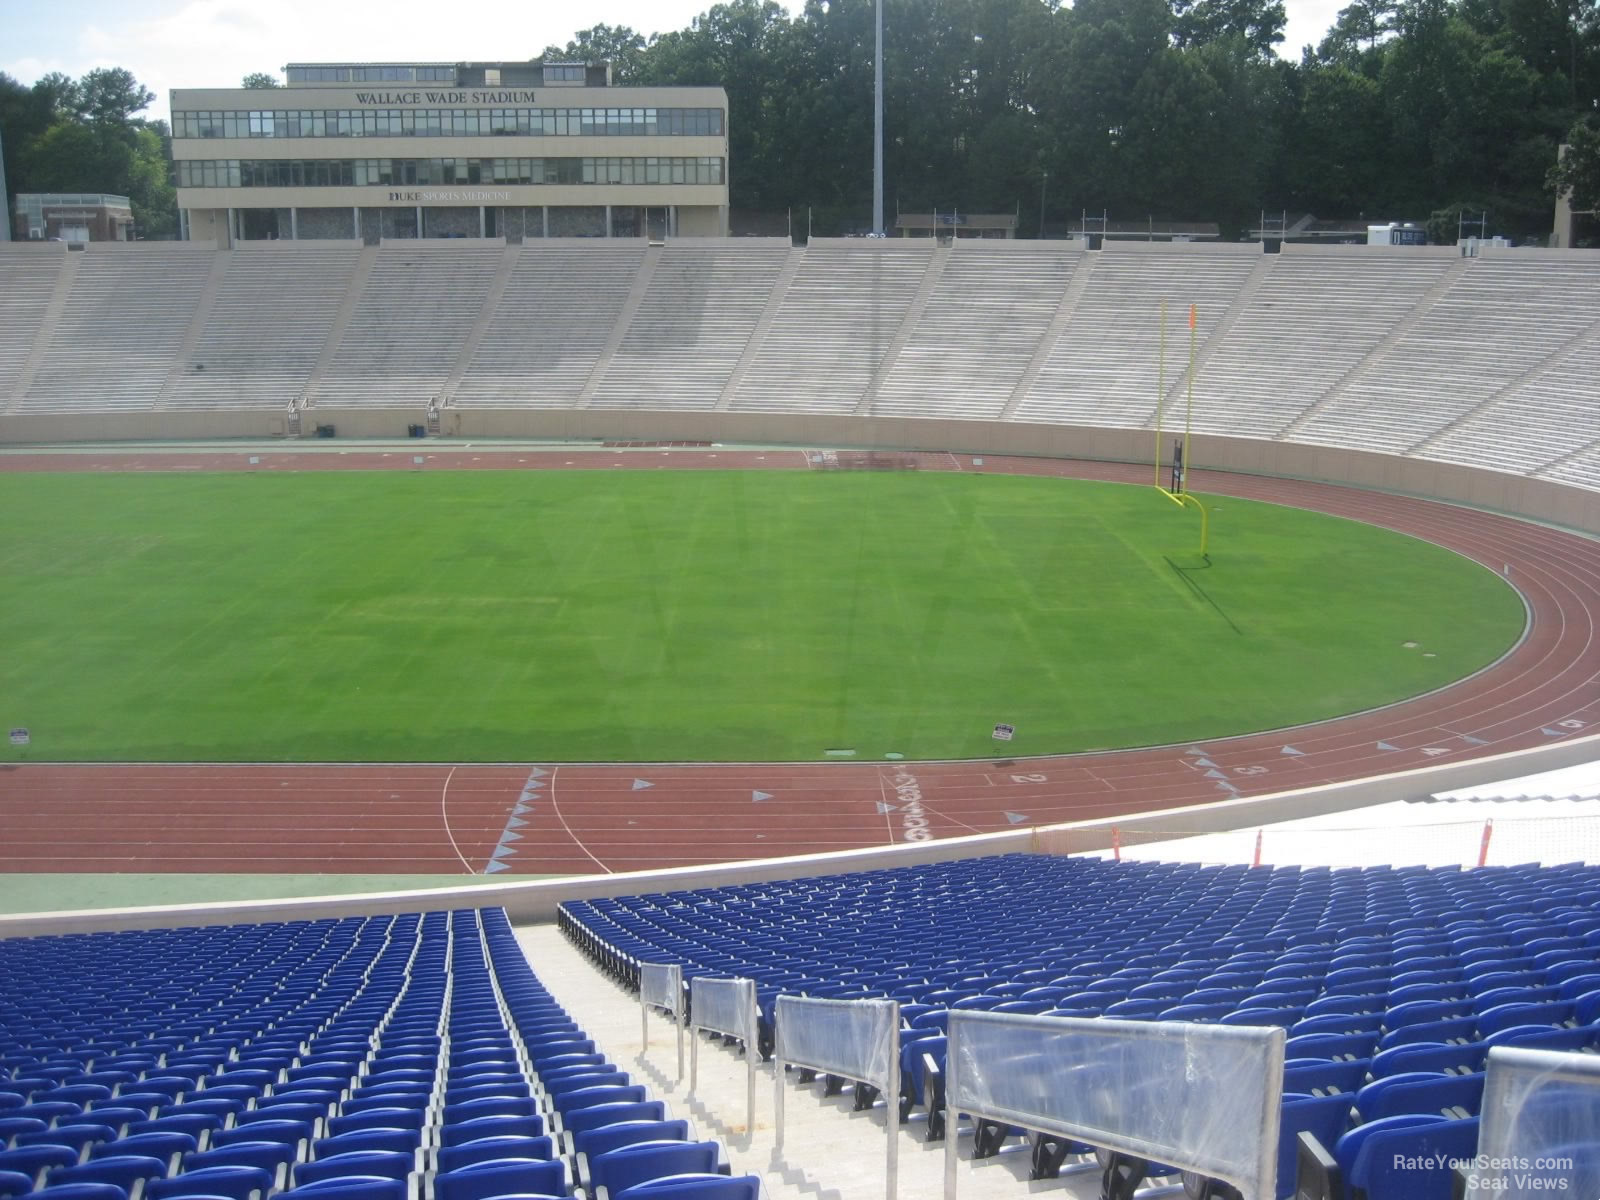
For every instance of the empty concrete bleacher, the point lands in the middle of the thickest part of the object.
(1581, 468)
(841, 313)
(121, 328)
(30, 271)
(696, 316)
(1535, 424)
(976, 334)
(1497, 323)
(1105, 369)
(544, 338)
(266, 327)
(1484, 361)
(419, 304)
(1317, 314)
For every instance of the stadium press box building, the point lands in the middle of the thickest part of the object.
(405, 150)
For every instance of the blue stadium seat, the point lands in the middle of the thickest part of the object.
(695, 1187)
(622, 1167)
(451, 1158)
(599, 1115)
(123, 1170)
(589, 1143)
(1413, 1163)
(1324, 1117)
(80, 1191)
(31, 1160)
(1419, 1092)
(272, 1157)
(588, 1097)
(486, 1127)
(380, 1164)
(352, 1188)
(502, 1177)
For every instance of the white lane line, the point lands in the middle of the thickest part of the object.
(444, 796)
(556, 808)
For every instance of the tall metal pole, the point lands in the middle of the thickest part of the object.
(877, 123)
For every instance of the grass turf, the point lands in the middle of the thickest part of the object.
(676, 615)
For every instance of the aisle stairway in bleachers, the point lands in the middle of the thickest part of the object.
(1496, 323)
(1279, 358)
(1105, 369)
(419, 304)
(266, 328)
(558, 311)
(842, 312)
(1535, 422)
(123, 324)
(692, 325)
(383, 1058)
(977, 333)
(30, 272)
(1581, 467)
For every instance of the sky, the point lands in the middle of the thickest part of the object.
(215, 43)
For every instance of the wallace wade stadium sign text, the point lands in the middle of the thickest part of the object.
(385, 99)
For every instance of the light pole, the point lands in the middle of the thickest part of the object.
(1043, 182)
(877, 122)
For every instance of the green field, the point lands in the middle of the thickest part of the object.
(677, 615)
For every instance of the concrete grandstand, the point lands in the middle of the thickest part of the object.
(1434, 361)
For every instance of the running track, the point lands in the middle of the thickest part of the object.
(563, 818)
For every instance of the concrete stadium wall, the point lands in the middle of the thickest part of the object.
(1542, 500)
(537, 900)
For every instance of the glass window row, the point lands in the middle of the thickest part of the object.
(371, 74)
(370, 172)
(451, 122)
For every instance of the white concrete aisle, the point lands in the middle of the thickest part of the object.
(830, 1153)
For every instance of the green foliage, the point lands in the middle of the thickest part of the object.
(1176, 109)
(65, 135)
(616, 44)
(1173, 108)
(1578, 172)
(259, 81)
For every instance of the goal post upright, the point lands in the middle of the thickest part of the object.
(1188, 412)
(1161, 388)
(1179, 492)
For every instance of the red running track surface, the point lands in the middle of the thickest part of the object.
(564, 818)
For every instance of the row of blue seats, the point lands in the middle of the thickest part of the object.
(1375, 973)
(417, 1058)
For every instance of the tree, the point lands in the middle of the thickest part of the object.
(618, 45)
(1578, 171)
(1341, 157)
(1357, 31)
(259, 81)
(110, 96)
(65, 135)
(1259, 22)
